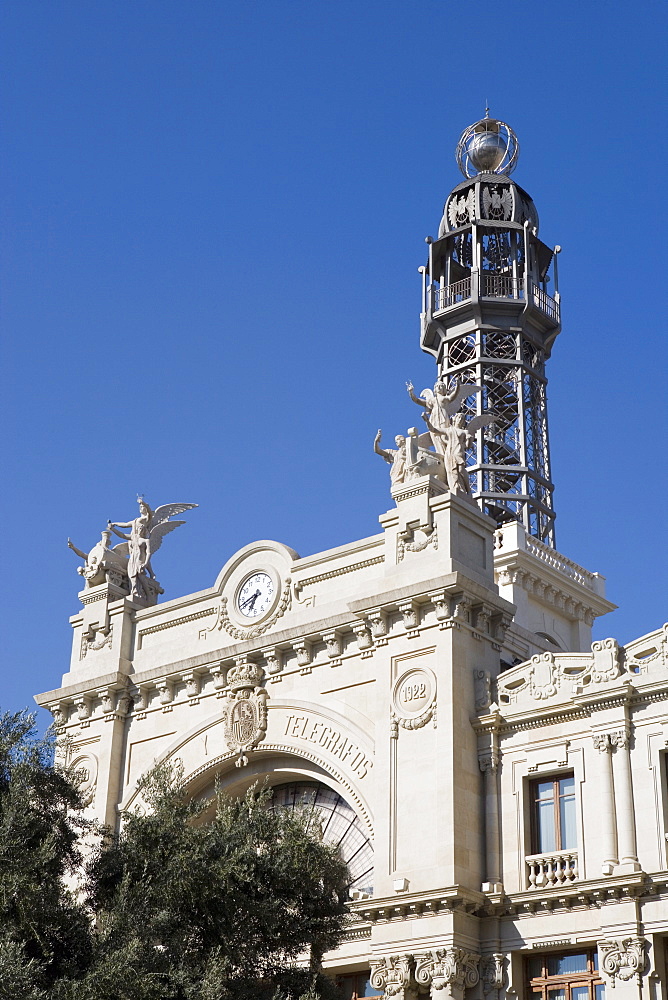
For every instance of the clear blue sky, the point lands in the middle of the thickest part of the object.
(213, 215)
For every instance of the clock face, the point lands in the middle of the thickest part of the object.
(256, 595)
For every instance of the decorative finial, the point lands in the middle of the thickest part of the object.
(487, 147)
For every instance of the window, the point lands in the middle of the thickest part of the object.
(338, 824)
(357, 986)
(565, 977)
(553, 815)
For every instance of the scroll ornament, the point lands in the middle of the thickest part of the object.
(622, 958)
(393, 976)
(450, 969)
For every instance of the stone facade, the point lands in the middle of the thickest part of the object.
(377, 673)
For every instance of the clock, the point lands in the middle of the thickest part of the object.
(255, 596)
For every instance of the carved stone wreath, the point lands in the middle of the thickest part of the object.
(420, 684)
(224, 621)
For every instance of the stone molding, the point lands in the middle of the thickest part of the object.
(452, 608)
(311, 581)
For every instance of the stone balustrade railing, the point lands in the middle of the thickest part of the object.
(553, 869)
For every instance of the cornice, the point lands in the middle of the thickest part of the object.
(586, 894)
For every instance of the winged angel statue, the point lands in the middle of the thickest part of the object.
(146, 534)
(449, 431)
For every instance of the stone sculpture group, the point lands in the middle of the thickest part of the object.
(449, 433)
(128, 565)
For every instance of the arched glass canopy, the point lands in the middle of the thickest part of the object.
(339, 823)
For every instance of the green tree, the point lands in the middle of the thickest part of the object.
(214, 907)
(219, 900)
(45, 931)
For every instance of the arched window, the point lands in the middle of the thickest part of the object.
(339, 824)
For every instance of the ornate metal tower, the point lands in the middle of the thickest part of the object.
(488, 318)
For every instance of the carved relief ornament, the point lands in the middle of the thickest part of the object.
(452, 970)
(413, 702)
(622, 958)
(493, 973)
(245, 711)
(393, 975)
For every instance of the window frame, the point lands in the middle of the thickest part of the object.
(360, 980)
(534, 824)
(542, 986)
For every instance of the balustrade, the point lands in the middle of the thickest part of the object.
(553, 869)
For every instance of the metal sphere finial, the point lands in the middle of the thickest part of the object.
(489, 146)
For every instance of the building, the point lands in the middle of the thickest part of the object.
(432, 690)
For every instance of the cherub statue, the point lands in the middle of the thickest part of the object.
(101, 560)
(395, 457)
(145, 538)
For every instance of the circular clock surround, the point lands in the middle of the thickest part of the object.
(256, 595)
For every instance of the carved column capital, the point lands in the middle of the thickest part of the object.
(620, 738)
(378, 623)
(452, 970)
(489, 760)
(483, 619)
(304, 651)
(83, 707)
(192, 682)
(441, 602)
(394, 976)
(622, 958)
(461, 608)
(272, 658)
(493, 974)
(601, 741)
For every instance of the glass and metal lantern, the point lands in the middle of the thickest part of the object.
(490, 315)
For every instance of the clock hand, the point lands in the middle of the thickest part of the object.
(251, 600)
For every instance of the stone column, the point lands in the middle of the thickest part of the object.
(626, 828)
(608, 831)
(489, 765)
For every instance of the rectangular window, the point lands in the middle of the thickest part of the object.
(553, 815)
(564, 977)
(357, 986)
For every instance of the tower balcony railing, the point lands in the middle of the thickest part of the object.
(450, 295)
(502, 286)
(553, 869)
(546, 303)
(493, 286)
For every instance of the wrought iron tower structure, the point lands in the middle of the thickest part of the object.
(488, 318)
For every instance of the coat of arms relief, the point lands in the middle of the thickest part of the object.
(245, 712)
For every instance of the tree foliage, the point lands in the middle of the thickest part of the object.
(222, 900)
(44, 930)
